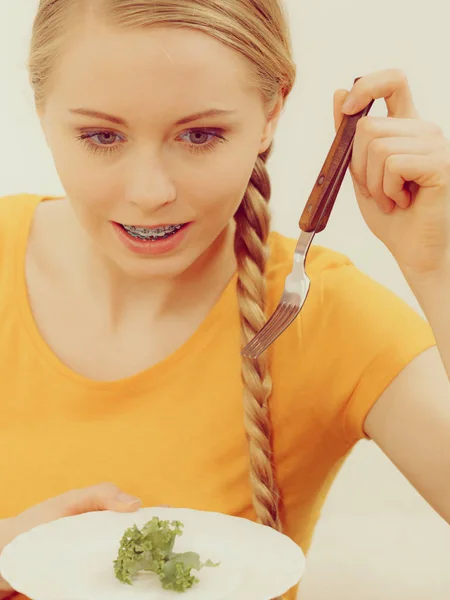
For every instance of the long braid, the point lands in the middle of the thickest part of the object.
(252, 230)
(258, 30)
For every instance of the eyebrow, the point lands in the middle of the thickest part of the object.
(96, 114)
(213, 112)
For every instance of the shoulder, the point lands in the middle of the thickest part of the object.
(351, 339)
(14, 211)
(338, 288)
(16, 214)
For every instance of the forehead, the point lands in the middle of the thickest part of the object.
(150, 68)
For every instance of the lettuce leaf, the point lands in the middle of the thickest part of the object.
(151, 549)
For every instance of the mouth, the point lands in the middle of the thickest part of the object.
(155, 234)
(148, 240)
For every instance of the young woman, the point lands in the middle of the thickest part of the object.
(124, 306)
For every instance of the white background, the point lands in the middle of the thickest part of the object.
(377, 538)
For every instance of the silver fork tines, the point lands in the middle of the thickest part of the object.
(294, 295)
(313, 220)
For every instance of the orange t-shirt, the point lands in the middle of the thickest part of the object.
(174, 433)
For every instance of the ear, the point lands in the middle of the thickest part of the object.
(271, 125)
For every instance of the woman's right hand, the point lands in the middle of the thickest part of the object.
(105, 496)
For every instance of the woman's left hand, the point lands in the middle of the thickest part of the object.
(401, 174)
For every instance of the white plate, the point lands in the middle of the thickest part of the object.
(72, 558)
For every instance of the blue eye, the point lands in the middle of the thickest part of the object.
(108, 142)
(106, 138)
(198, 138)
(101, 141)
(203, 139)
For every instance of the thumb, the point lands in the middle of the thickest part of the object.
(105, 496)
(338, 101)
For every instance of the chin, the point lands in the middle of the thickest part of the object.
(147, 269)
(155, 267)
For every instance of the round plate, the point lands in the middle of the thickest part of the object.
(72, 558)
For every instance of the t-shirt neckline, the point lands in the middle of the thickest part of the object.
(148, 377)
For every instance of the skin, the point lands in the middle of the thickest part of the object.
(117, 298)
(411, 420)
(156, 175)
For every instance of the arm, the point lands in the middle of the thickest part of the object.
(411, 420)
(433, 294)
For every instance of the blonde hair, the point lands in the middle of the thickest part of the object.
(258, 30)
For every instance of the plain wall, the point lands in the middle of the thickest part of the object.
(371, 507)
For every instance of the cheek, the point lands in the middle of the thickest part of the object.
(87, 182)
(219, 192)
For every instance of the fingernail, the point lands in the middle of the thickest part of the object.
(127, 499)
(349, 105)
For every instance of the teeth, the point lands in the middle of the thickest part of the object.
(151, 234)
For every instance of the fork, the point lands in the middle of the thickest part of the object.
(314, 219)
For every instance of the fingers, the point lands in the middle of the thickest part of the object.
(390, 84)
(431, 171)
(369, 167)
(338, 100)
(105, 496)
(378, 139)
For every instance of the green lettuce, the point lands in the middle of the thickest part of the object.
(151, 549)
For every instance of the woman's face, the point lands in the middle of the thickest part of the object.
(152, 128)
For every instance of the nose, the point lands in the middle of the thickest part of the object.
(149, 185)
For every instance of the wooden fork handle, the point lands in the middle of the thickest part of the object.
(326, 188)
